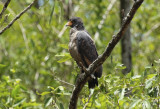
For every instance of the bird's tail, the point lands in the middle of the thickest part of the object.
(92, 82)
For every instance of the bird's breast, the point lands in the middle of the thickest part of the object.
(73, 47)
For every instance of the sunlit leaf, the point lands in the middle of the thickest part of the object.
(63, 93)
(15, 91)
(45, 93)
(97, 103)
(61, 88)
(122, 94)
(2, 66)
(158, 61)
(63, 54)
(51, 87)
(13, 70)
(63, 46)
(64, 59)
(136, 76)
(148, 84)
(120, 66)
(19, 102)
(151, 76)
(31, 104)
(134, 103)
(148, 67)
(146, 104)
(48, 101)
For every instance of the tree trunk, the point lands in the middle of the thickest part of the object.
(126, 39)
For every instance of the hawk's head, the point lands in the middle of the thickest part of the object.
(75, 22)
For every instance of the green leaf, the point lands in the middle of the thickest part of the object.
(120, 66)
(97, 104)
(52, 11)
(83, 100)
(61, 88)
(148, 67)
(63, 54)
(61, 106)
(121, 102)
(146, 104)
(2, 106)
(63, 93)
(15, 91)
(30, 104)
(20, 102)
(110, 103)
(136, 76)
(151, 76)
(134, 103)
(45, 93)
(51, 87)
(48, 101)
(13, 70)
(63, 46)
(17, 80)
(2, 66)
(148, 83)
(122, 94)
(64, 59)
(158, 61)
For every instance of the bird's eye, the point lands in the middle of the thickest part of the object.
(73, 21)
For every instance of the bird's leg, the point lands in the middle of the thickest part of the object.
(80, 67)
(82, 71)
(83, 68)
(93, 76)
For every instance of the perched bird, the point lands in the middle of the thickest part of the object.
(83, 49)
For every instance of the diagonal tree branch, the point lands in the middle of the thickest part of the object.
(17, 17)
(82, 79)
(4, 8)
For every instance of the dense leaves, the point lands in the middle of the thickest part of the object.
(36, 70)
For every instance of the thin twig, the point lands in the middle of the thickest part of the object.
(90, 95)
(82, 79)
(4, 8)
(17, 17)
(24, 35)
(57, 79)
(62, 31)
(151, 30)
(104, 18)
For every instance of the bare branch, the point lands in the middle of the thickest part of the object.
(4, 8)
(17, 17)
(116, 38)
(82, 79)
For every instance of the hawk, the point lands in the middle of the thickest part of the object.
(83, 49)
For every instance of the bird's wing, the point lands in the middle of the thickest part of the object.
(86, 48)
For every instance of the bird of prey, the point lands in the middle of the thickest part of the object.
(83, 49)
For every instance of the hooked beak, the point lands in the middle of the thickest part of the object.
(69, 23)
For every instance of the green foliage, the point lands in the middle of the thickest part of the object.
(129, 91)
(36, 69)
